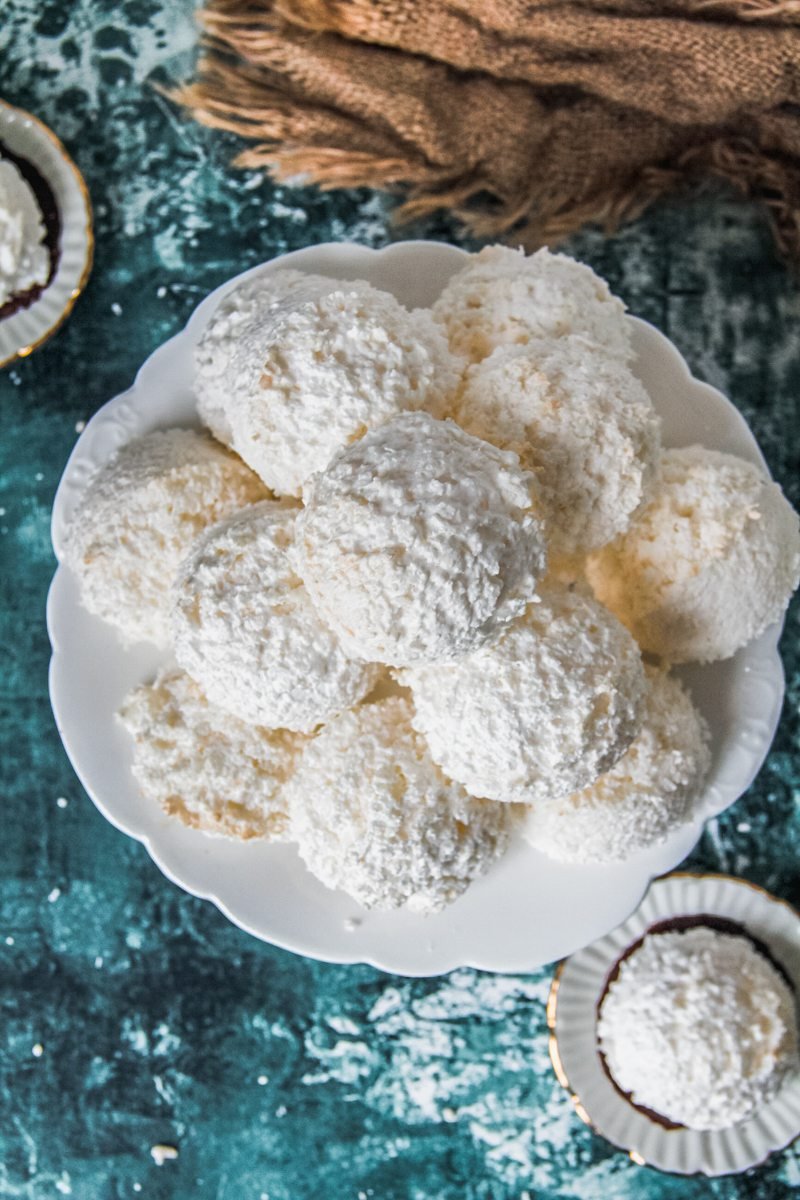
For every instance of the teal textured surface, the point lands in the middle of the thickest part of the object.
(135, 1015)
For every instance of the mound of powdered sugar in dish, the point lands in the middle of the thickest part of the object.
(580, 420)
(374, 816)
(502, 296)
(251, 304)
(698, 1027)
(420, 542)
(24, 258)
(139, 516)
(647, 794)
(205, 767)
(245, 629)
(552, 704)
(324, 370)
(709, 563)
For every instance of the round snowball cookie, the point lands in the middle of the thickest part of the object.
(374, 816)
(256, 301)
(329, 369)
(581, 421)
(420, 542)
(709, 563)
(699, 1027)
(649, 792)
(205, 767)
(542, 712)
(502, 296)
(245, 629)
(139, 516)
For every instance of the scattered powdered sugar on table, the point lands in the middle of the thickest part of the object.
(398, 1055)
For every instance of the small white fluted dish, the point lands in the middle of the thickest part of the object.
(528, 910)
(579, 985)
(24, 331)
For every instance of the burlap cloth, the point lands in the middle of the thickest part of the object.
(528, 117)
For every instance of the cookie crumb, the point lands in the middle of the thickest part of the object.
(161, 1154)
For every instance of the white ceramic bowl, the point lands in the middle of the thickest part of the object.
(528, 910)
(23, 331)
(572, 1016)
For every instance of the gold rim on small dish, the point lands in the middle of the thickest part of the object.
(24, 331)
(577, 988)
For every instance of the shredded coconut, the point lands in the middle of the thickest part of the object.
(253, 303)
(245, 629)
(545, 710)
(502, 296)
(420, 542)
(698, 1027)
(711, 561)
(139, 516)
(647, 794)
(24, 259)
(580, 420)
(161, 1154)
(205, 767)
(326, 369)
(374, 816)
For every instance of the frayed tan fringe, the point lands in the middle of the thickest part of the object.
(440, 102)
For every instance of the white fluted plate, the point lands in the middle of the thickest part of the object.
(572, 1016)
(528, 910)
(26, 330)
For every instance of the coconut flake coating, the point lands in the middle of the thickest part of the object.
(420, 542)
(138, 517)
(710, 562)
(698, 1027)
(649, 792)
(205, 767)
(245, 629)
(503, 296)
(24, 258)
(580, 420)
(323, 371)
(252, 303)
(542, 712)
(375, 817)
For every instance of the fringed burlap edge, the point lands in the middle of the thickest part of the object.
(217, 99)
